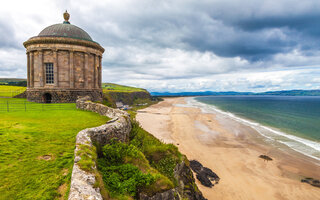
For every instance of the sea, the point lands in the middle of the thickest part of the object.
(293, 121)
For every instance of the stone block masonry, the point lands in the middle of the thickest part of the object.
(83, 182)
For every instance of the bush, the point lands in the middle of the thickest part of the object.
(125, 178)
(119, 172)
(162, 157)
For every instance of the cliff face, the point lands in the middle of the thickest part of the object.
(128, 98)
(84, 180)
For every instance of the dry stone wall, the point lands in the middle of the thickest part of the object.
(83, 182)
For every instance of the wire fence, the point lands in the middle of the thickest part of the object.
(18, 106)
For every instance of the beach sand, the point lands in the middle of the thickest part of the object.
(232, 151)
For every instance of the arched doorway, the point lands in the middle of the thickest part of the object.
(47, 98)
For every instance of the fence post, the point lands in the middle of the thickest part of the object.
(7, 106)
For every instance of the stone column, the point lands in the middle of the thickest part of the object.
(55, 68)
(28, 69)
(41, 69)
(100, 72)
(94, 71)
(31, 70)
(86, 70)
(97, 71)
(71, 78)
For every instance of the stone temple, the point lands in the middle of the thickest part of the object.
(63, 63)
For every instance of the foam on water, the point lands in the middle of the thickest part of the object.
(301, 145)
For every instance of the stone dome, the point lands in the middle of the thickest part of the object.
(65, 30)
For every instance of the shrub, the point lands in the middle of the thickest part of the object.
(125, 179)
(119, 172)
(163, 157)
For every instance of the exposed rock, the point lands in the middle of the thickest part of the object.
(204, 180)
(210, 173)
(187, 187)
(204, 174)
(311, 181)
(167, 195)
(265, 157)
(196, 166)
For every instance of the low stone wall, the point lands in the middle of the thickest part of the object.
(83, 182)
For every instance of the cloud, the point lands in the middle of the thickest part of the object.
(181, 45)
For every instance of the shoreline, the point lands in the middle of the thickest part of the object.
(314, 144)
(231, 149)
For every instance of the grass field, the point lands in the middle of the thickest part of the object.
(10, 91)
(36, 151)
(120, 88)
(17, 105)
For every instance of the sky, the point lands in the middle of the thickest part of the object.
(181, 45)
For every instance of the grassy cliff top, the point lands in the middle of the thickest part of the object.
(36, 149)
(120, 88)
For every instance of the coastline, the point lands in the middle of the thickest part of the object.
(231, 149)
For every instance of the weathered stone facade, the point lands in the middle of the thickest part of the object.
(76, 61)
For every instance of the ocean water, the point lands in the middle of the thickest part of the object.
(292, 121)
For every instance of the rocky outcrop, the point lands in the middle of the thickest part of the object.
(204, 174)
(167, 195)
(127, 98)
(311, 181)
(83, 181)
(187, 187)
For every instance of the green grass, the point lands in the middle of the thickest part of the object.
(120, 88)
(27, 139)
(18, 105)
(10, 91)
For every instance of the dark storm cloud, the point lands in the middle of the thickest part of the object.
(252, 30)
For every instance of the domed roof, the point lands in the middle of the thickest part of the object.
(65, 30)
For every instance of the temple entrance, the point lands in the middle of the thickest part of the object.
(47, 98)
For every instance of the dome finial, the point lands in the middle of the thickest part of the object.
(66, 17)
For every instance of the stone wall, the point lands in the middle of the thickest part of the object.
(83, 182)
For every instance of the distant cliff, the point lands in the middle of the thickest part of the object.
(211, 93)
(113, 93)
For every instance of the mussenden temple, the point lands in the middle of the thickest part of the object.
(63, 63)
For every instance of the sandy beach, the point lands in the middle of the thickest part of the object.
(232, 151)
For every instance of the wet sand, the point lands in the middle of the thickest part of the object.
(232, 151)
